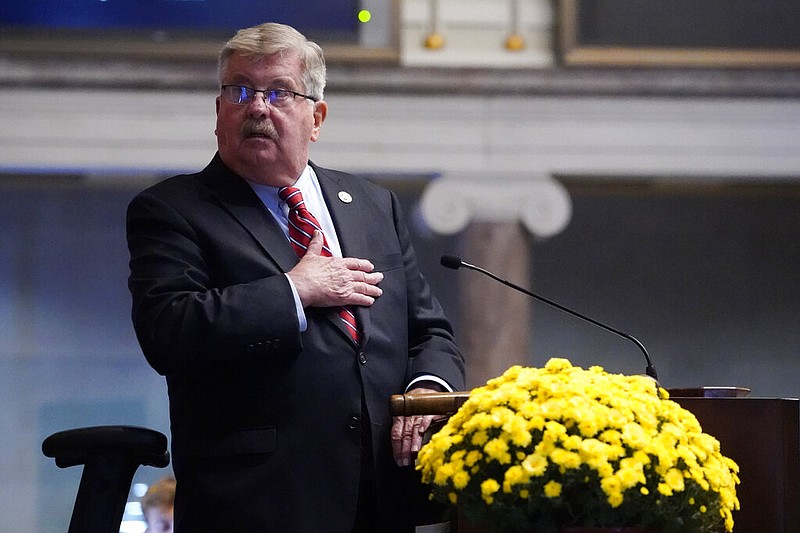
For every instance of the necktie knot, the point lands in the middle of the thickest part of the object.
(292, 197)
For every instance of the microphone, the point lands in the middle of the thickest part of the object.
(450, 261)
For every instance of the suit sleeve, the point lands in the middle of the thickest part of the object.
(188, 310)
(432, 346)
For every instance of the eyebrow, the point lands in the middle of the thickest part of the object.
(279, 82)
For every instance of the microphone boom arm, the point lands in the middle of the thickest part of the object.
(650, 370)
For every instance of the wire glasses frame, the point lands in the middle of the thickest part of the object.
(243, 95)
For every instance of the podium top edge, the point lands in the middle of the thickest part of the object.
(709, 392)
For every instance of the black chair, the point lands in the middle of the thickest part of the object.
(110, 455)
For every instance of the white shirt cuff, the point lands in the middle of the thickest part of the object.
(430, 377)
(301, 314)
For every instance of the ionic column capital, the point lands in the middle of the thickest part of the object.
(540, 203)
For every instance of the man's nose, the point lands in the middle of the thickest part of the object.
(258, 106)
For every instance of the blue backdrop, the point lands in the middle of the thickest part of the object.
(331, 17)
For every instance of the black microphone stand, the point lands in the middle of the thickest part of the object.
(450, 261)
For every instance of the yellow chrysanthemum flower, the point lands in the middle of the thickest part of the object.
(552, 489)
(488, 489)
(532, 435)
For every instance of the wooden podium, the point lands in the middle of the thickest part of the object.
(761, 434)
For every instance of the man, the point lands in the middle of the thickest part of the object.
(281, 347)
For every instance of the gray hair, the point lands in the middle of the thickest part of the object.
(270, 38)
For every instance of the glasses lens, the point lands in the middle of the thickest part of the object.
(238, 94)
(279, 97)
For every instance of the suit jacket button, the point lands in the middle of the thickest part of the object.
(362, 358)
(354, 422)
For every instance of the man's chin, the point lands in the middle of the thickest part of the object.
(258, 151)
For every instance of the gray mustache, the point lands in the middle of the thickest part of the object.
(259, 127)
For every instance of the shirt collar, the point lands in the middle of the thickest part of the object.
(269, 195)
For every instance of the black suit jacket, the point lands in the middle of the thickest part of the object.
(266, 422)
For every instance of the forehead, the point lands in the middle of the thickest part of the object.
(263, 70)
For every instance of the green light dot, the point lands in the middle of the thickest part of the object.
(364, 15)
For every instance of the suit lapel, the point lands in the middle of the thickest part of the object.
(343, 198)
(236, 196)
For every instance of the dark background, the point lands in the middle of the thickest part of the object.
(739, 24)
(312, 17)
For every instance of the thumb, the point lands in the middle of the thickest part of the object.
(315, 245)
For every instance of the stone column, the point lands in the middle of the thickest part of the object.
(495, 319)
(500, 216)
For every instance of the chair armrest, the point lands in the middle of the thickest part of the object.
(77, 446)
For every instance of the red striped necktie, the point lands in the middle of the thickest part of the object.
(301, 228)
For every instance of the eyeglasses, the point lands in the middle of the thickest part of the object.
(243, 95)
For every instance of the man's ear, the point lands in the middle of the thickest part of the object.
(320, 112)
(216, 111)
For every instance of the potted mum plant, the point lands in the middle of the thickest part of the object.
(548, 449)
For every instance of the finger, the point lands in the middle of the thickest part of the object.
(362, 265)
(367, 278)
(372, 278)
(368, 290)
(315, 246)
(362, 294)
(398, 423)
(403, 440)
(425, 423)
(411, 438)
(417, 435)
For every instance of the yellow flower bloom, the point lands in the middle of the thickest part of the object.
(535, 464)
(612, 487)
(515, 475)
(630, 477)
(497, 449)
(517, 429)
(460, 479)
(488, 489)
(552, 489)
(634, 435)
(480, 438)
(473, 456)
(674, 479)
(557, 364)
(567, 459)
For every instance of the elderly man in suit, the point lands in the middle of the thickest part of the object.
(283, 303)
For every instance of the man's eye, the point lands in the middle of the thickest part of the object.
(243, 95)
